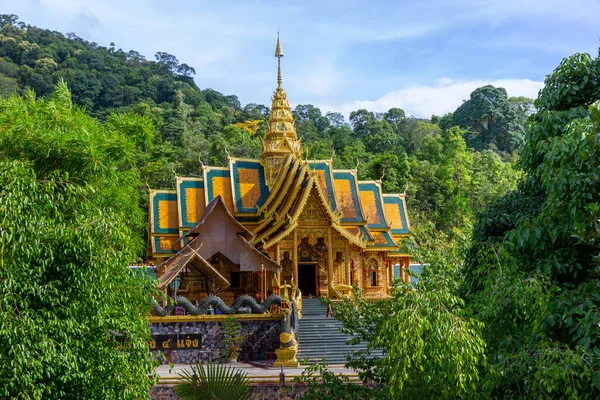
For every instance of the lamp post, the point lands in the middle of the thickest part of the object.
(282, 377)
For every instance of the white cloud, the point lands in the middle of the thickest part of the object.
(444, 96)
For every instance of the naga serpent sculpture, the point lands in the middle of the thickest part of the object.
(288, 348)
(162, 312)
(217, 302)
(289, 322)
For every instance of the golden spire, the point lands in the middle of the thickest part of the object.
(280, 139)
(278, 54)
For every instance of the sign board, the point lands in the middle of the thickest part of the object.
(176, 341)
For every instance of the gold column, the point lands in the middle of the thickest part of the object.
(385, 276)
(278, 260)
(402, 277)
(388, 282)
(329, 262)
(390, 274)
(295, 258)
(347, 272)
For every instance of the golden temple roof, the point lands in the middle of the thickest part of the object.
(278, 54)
(280, 139)
(269, 195)
(278, 51)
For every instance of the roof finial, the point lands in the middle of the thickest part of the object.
(278, 54)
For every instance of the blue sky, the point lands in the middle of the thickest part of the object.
(422, 56)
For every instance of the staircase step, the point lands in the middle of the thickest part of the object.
(320, 336)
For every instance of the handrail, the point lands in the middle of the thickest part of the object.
(342, 291)
(292, 292)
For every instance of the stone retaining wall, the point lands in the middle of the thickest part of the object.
(261, 392)
(260, 337)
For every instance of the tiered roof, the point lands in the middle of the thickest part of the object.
(268, 195)
(356, 209)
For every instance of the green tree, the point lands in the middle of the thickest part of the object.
(8, 86)
(491, 178)
(431, 347)
(440, 180)
(491, 119)
(394, 170)
(311, 125)
(415, 133)
(539, 244)
(359, 120)
(72, 315)
(523, 107)
(444, 122)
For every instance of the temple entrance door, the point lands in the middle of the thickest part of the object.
(307, 278)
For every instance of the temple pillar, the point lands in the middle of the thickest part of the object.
(295, 257)
(402, 270)
(329, 262)
(278, 261)
(347, 272)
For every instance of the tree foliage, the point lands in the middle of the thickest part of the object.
(519, 320)
(491, 120)
(71, 313)
(194, 126)
(431, 347)
(533, 267)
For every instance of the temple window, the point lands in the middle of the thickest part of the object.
(373, 278)
(373, 266)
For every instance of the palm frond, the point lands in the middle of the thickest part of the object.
(213, 381)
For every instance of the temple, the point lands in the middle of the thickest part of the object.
(256, 224)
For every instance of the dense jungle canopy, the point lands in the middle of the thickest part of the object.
(451, 166)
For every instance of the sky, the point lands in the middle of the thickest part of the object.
(425, 56)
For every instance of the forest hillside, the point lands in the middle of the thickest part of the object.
(451, 166)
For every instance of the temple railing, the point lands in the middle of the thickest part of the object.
(292, 292)
(215, 302)
(342, 292)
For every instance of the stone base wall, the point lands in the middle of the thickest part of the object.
(260, 337)
(260, 392)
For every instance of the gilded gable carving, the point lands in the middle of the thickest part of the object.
(313, 212)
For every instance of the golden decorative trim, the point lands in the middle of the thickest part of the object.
(285, 337)
(265, 222)
(381, 248)
(296, 191)
(286, 186)
(283, 234)
(313, 184)
(214, 318)
(304, 195)
(280, 196)
(272, 229)
(274, 190)
(349, 236)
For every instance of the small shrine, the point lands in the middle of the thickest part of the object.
(256, 224)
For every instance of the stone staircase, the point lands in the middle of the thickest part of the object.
(320, 336)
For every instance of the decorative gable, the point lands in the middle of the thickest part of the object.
(314, 212)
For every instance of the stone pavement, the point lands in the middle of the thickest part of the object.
(257, 373)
